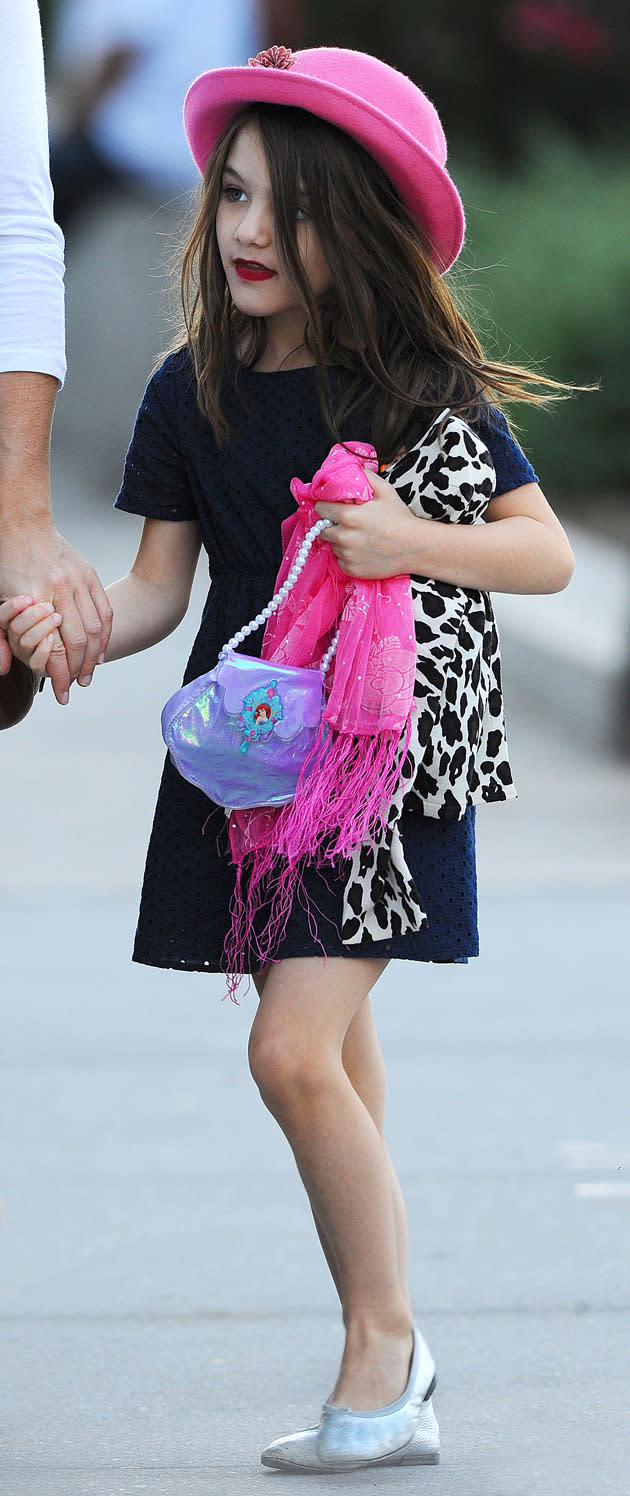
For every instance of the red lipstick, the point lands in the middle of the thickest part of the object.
(250, 270)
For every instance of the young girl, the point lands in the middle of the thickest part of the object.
(316, 312)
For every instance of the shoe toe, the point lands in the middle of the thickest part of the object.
(295, 1451)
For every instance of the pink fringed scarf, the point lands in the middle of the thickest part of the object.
(347, 784)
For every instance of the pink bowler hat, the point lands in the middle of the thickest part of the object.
(374, 103)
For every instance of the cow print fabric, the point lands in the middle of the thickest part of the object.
(458, 752)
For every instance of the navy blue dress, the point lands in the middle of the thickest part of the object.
(239, 495)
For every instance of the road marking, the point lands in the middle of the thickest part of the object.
(603, 1189)
(581, 1157)
(594, 1158)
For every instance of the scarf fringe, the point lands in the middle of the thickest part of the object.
(342, 798)
(344, 791)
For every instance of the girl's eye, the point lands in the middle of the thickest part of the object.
(234, 194)
(302, 215)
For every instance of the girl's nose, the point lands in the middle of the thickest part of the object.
(255, 225)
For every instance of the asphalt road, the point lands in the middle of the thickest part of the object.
(164, 1308)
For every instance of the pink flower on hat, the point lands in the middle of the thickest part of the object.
(274, 57)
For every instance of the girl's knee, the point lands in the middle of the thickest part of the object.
(285, 1070)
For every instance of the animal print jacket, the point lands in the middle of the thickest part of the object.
(458, 751)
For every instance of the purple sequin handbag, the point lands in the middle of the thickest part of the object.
(242, 731)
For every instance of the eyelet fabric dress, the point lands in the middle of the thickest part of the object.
(239, 495)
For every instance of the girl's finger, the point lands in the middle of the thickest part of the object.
(329, 511)
(11, 608)
(23, 618)
(30, 627)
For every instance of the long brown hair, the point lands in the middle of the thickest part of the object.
(390, 319)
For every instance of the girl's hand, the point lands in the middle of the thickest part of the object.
(521, 547)
(373, 540)
(8, 611)
(30, 629)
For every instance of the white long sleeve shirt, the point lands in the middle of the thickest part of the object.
(32, 333)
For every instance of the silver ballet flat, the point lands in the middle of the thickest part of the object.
(299, 1451)
(347, 1439)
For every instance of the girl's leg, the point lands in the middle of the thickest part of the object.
(296, 1056)
(365, 1067)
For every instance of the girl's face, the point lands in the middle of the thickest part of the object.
(258, 282)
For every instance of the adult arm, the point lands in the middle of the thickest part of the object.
(33, 557)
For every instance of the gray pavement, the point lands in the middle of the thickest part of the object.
(164, 1308)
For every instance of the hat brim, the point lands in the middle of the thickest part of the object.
(425, 187)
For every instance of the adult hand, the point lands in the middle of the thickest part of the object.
(378, 539)
(34, 558)
(38, 561)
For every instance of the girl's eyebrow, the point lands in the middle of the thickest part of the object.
(233, 172)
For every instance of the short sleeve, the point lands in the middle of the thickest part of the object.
(511, 466)
(155, 479)
(32, 336)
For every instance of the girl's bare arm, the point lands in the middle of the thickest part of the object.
(152, 599)
(148, 603)
(522, 547)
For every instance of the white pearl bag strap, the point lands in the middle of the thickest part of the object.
(279, 597)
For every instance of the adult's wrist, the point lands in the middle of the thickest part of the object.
(22, 503)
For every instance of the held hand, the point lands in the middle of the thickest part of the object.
(37, 560)
(8, 611)
(29, 629)
(374, 540)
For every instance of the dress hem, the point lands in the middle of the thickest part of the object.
(170, 963)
